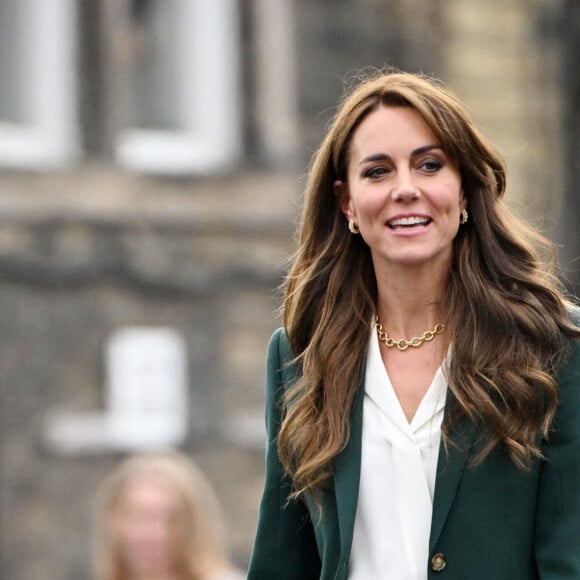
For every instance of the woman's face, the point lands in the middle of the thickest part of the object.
(403, 191)
(147, 525)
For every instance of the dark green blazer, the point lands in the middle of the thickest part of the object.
(491, 522)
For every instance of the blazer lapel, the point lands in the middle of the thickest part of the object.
(450, 468)
(347, 475)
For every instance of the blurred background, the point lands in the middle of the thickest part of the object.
(152, 158)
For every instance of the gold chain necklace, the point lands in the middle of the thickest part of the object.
(403, 344)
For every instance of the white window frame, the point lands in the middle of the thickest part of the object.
(146, 392)
(210, 138)
(48, 137)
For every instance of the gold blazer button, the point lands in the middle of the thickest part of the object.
(438, 562)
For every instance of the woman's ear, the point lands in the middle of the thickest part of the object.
(343, 198)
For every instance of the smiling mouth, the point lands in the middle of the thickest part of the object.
(408, 222)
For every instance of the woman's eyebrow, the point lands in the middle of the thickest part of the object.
(387, 157)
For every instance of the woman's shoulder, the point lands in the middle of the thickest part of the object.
(282, 370)
(574, 313)
(279, 346)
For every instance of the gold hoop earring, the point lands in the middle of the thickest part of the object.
(353, 227)
(463, 217)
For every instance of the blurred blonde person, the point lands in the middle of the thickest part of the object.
(159, 519)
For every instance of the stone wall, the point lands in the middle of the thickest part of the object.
(337, 40)
(564, 30)
(84, 254)
(501, 62)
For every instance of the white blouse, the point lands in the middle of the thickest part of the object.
(398, 468)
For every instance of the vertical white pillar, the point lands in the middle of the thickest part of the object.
(276, 79)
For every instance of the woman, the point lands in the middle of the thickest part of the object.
(423, 397)
(159, 520)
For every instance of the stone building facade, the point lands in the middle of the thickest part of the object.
(92, 244)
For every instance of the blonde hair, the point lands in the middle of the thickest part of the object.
(201, 547)
(503, 306)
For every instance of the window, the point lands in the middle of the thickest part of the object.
(179, 86)
(38, 126)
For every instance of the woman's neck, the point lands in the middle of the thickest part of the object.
(409, 303)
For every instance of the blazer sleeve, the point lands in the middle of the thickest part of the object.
(285, 545)
(558, 515)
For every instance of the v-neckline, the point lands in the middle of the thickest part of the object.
(379, 388)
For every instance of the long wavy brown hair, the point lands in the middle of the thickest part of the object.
(505, 311)
(199, 548)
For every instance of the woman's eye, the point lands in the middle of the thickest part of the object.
(431, 165)
(375, 172)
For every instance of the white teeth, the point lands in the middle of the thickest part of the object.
(409, 221)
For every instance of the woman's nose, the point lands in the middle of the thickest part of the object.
(404, 188)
